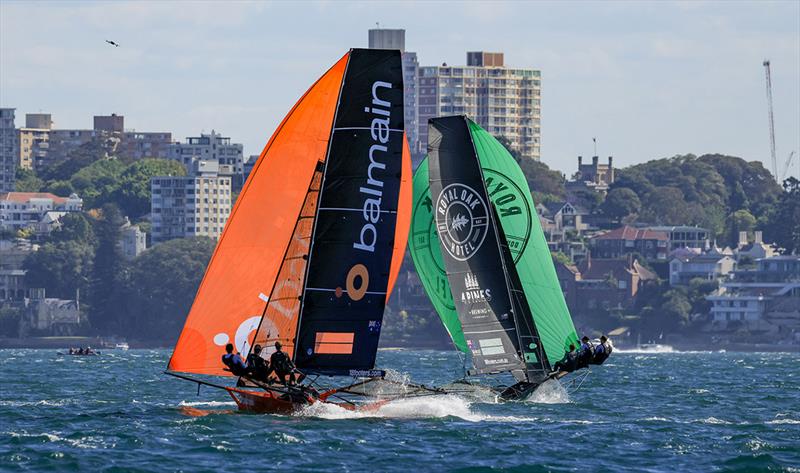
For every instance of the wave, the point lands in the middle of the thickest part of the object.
(783, 421)
(658, 349)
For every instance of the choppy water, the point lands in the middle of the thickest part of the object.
(638, 412)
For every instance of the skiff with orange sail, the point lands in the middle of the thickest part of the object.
(313, 245)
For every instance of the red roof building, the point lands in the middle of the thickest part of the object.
(651, 244)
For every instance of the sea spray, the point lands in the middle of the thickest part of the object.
(423, 407)
(549, 392)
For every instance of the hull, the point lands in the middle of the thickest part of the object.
(269, 401)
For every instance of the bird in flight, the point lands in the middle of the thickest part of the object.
(112, 43)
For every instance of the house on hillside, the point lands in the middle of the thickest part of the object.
(709, 266)
(604, 284)
(38, 211)
(625, 240)
(764, 301)
(756, 249)
(686, 237)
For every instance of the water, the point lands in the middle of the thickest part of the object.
(638, 412)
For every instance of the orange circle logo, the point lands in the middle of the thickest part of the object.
(357, 271)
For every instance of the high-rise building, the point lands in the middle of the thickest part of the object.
(383, 38)
(8, 148)
(195, 205)
(212, 147)
(505, 101)
(34, 140)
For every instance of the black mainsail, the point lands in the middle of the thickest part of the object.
(472, 256)
(354, 233)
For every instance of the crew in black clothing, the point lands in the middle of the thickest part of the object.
(257, 366)
(602, 351)
(569, 362)
(586, 353)
(283, 366)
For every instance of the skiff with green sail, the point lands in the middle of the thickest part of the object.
(480, 252)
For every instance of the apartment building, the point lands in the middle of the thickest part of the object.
(212, 147)
(505, 101)
(195, 205)
(384, 38)
(40, 146)
(8, 146)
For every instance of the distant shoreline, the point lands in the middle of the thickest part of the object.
(103, 343)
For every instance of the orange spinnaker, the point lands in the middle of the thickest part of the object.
(403, 219)
(245, 264)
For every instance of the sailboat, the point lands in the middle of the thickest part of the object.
(482, 257)
(314, 244)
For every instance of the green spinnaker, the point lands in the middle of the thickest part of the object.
(508, 190)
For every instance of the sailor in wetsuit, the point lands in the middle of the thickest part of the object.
(585, 353)
(234, 361)
(283, 366)
(258, 367)
(569, 362)
(602, 351)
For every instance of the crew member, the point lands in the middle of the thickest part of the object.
(258, 367)
(586, 353)
(569, 362)
(602, 351)
(234, 361)
(283, 366)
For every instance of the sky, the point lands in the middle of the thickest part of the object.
(647, 79)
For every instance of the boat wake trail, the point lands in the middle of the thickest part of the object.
(427, 407)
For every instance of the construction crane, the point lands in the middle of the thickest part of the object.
(787, 165)
(771, 120)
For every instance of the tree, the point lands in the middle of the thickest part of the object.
(96, 182)
(739, 221)
(10, 318)
(133, 191)
(107, 270)
(620, 203)
(675, 309)
(784, 223)
(75, 227)
(665, 206)
(155, 307)
(26, 181)
(61, 267)
(97, 148)
(545, 183)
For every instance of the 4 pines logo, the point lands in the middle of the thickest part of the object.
(473, 292)
(461, 220)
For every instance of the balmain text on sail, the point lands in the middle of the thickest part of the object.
(373, 189)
